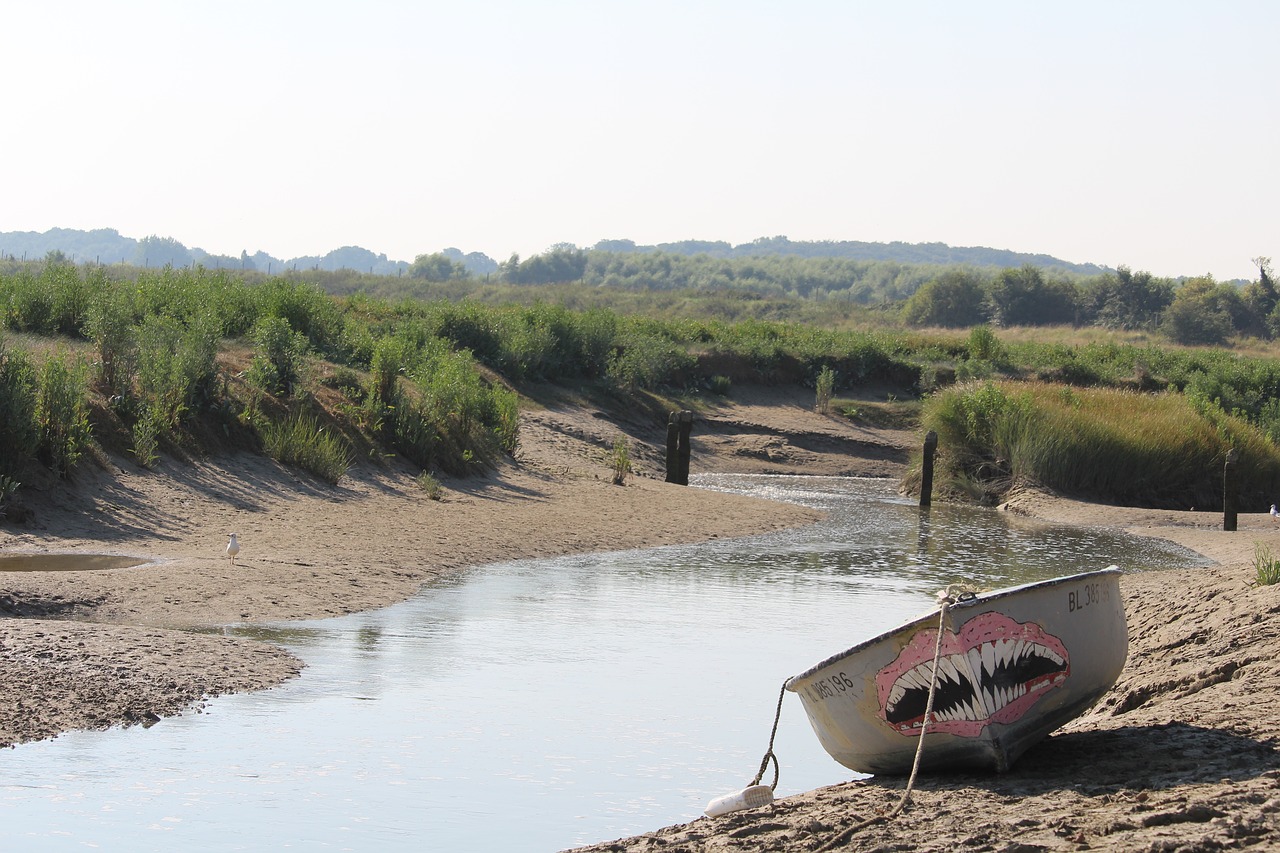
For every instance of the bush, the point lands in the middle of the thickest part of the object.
(300, 441)
(19, 435)
(430, 485)
(281, 353)
(62, 415)
(826, 386)
(1266, 567)
(146, 438)
(307, 310)
(109, 324)
(176, 368)
(620, 460)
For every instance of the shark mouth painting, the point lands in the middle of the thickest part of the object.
(992, 672)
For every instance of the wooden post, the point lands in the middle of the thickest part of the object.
(673, 444)
(1229, 490)
(926, 472)
(679, 427)
(684, 450)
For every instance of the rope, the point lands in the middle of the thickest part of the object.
(768, 755)
(945, 600)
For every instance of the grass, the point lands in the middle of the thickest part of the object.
(1139, 449)
(431, 485)
(1266, 566)
(299, 440)
(620, 461)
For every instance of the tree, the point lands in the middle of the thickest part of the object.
(1022, 297)
(156, 251)
(437, 267)
(952, 300)
(564, 262)
(1125, 299)
(1198, 314)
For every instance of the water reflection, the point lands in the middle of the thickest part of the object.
(540, 704)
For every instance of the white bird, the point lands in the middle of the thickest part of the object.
(1275, 513)
(233, 548)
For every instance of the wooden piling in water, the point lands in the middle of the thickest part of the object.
(926, 469)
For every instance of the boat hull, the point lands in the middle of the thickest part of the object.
(1015, 665)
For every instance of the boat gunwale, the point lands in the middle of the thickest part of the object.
(932, 617)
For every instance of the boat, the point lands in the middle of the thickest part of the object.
(1014, 665)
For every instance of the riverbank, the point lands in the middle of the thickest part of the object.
(99, 648)
(1180, 756)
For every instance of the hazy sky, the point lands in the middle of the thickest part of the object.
(1137, 133)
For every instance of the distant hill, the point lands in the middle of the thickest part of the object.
(108, 246)
(906, 253)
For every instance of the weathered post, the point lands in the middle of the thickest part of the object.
(679, 428)
(685, 451)
(926, 470)
(673, 445)
(1229, 490)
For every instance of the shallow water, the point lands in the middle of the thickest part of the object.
(66, 562)
(538, 705)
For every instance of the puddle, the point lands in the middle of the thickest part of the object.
(66, 562)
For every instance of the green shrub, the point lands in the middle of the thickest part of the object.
(983, 345)
(176, 367)
(720, 385)
(620, 460)
(62, 415)
(146, 438)
(506, 419)
(19, 435)
(28, 303)
(300, 441)
(1266, 567)
(647, 361)
(109, 324)
(431, 485)
(825, 387)
(306, 308)
(277, 365)
(8, 488)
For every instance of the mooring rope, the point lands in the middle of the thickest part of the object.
(945, 599)
(768, 755)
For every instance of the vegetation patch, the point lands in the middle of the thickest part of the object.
(1160, 450)
(1266, 566)
(299, 440)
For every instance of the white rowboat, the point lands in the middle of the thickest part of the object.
(1015, 664)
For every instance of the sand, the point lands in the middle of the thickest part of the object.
(1181, 755)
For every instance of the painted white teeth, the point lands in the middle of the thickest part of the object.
(975, 665)
(973, 670)
(949, 669)
(989, 657)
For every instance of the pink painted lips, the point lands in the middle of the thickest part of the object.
(992, 672)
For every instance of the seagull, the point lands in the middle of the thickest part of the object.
(233, 548)
(1275, 513)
